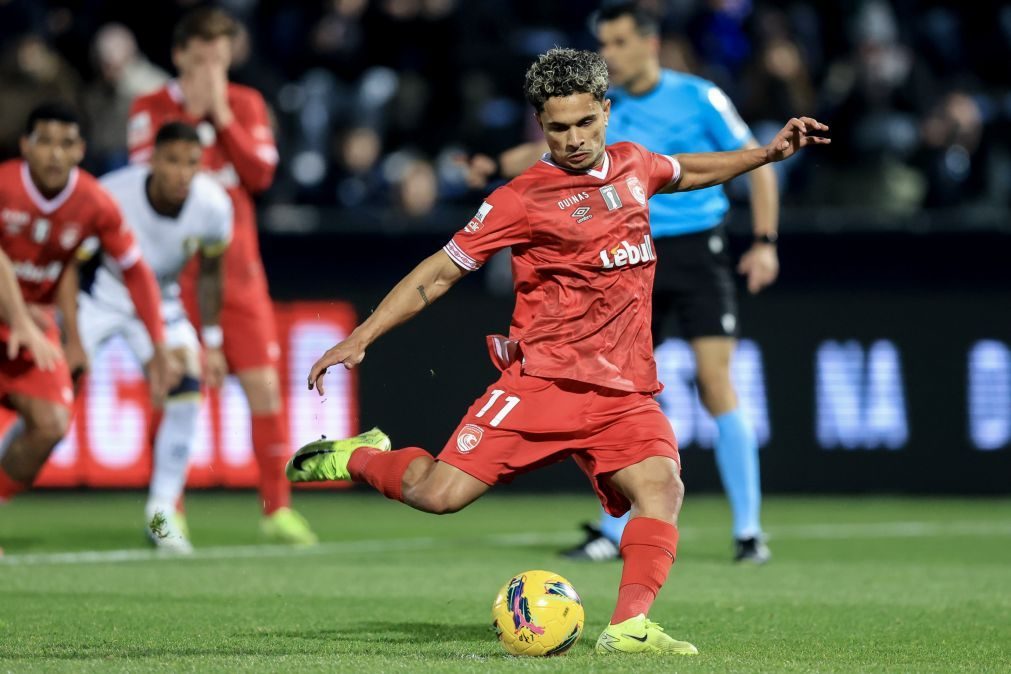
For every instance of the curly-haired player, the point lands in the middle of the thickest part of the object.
(578, 377)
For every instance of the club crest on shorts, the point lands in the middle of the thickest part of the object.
(635, 187)
(468, 438)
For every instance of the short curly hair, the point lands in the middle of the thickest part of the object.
(563, 72)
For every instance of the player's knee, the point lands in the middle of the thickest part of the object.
(188, 386)
(47, 425)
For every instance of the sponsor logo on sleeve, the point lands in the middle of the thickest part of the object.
(478, 220)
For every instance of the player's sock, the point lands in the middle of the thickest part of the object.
(270, 445)
(172, 447)
(612, 527)
(384, 471)
(9, 487)
(737, 459)
(648, 547)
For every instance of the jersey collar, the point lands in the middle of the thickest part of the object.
(600, 173)
(47, 206)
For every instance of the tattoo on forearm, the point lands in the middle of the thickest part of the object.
(424, 297)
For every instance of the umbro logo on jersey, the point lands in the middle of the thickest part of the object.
(573, 200)
(582, 214)
(627, 254)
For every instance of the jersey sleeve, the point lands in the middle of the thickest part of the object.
(249, 143)
(661, 170)
(140, 131)
(500, 222)
(113, 234)
(723, 124)
(218, 224)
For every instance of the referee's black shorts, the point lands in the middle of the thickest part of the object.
(694, 293)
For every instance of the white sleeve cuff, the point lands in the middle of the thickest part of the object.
(461, 258)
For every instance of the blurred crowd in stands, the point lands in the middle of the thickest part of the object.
(376, 100)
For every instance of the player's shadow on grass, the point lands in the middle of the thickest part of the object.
(389, 631)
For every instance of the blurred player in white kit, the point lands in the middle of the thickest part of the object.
(174, 211)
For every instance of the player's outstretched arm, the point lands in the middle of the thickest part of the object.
(24, 332)
(426, 283)
(706, 169)
(66, 302)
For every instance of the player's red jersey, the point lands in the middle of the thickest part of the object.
(583, 265)
(40, 235)
(241, 156)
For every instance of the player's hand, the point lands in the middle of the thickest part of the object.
(25, 333)
(348, 353)
(163, 372)
(196, 92)
(480, 170)
(215, 367)
(794, 136)
(760, 265)
(217, 91)
(77, 360)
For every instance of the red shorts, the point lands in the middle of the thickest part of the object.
(247, 316)
(522, 423)
(22, 376)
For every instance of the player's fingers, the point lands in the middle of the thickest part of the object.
(13, 346)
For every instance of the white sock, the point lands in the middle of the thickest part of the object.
(12, 433)
(172, 448)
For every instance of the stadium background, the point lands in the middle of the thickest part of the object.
(881, 360)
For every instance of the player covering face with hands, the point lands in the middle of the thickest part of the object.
(578, 376)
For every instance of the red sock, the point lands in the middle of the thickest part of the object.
(648, 547)
(384, 470)
(9, 487)
(270, 445)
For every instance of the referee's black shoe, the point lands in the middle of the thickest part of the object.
(596, 548)
(751, 550)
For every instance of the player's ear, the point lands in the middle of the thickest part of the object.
(537, 118)
(23, 144)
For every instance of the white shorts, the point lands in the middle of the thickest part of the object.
(99, 322)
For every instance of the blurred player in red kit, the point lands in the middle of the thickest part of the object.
(48, 206)
(239, 152)
(578, 376)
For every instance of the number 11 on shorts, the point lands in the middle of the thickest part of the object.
(510, 403)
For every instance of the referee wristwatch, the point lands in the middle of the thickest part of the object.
(771, 238)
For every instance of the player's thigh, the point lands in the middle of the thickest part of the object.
(712, 370)
(653, 486)
(97, 325)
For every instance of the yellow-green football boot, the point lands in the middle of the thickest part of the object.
(640, 635)
(328, 459)
(287, 526)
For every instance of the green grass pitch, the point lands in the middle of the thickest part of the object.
(856, 585)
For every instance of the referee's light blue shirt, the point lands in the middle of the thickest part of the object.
(683, 113)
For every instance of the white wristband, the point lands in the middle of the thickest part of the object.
(212, 336)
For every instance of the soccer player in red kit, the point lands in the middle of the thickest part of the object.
(239, 152)
(48, 206)
(578, 376)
